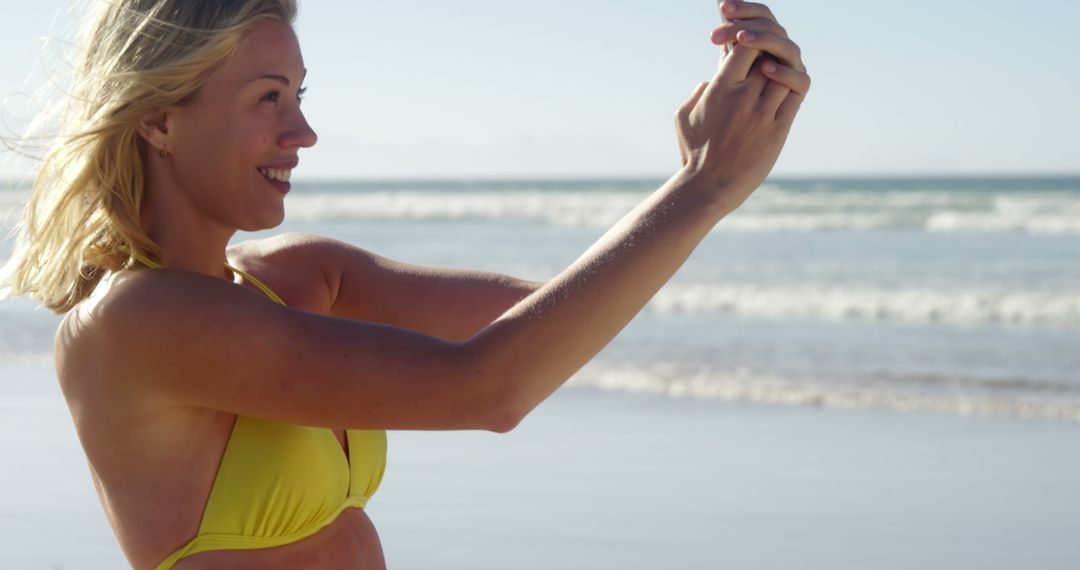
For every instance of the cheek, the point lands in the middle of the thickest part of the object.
(220, 150)
(222, 156)
(244, 146)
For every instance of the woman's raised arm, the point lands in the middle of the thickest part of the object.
(731, 131)
(185, 339)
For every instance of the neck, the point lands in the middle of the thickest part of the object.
(188, 239)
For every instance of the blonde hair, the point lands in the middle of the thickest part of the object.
(82, 218)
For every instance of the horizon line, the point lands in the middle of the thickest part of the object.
(852, 176)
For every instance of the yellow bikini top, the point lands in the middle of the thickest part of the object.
(278, 483)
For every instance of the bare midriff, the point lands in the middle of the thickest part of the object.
(349, 542)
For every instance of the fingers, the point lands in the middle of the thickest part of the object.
(786, 51)
(757, 82)
(786, 78)
(736, 66)
(779, 79)
(780, 47)
(783, 82)
(785, 115)
(725, 33)
(737, 10)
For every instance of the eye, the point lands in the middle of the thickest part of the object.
(273, 96)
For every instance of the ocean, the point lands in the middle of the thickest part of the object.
(954, 296)
(846, 374)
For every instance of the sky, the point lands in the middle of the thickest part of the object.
(589, 88)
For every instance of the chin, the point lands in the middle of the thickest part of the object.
(269, 221)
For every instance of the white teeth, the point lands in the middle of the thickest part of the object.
(276, 174)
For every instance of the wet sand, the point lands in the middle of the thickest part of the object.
(604, 480)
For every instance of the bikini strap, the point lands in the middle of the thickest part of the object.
(262, 287)
(143, 260)
(258, 284)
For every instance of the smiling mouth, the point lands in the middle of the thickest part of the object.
(280, 175)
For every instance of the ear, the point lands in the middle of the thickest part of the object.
(154, 129)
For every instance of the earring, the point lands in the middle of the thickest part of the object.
(163, 152)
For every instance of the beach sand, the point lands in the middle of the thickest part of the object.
(604, 480)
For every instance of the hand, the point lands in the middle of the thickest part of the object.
(733, 127)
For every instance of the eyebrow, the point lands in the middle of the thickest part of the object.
(275, 77)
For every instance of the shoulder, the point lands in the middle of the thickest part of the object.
(319, 252)
(130, 304)
(304, 269)
(134, 340)
(292, 246)
(102, 342)
(280, 245)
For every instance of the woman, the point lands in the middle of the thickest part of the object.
(232, 400)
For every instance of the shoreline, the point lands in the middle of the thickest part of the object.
(638, 482)
(597, 479)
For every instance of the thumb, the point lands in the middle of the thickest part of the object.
(694, 97)
(682, 119)
(683, 115)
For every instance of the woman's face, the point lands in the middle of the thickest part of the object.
(245, 119)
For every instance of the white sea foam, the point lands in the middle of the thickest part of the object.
(910, 304)
(949, 222)
(556, 208)
(673, 380)
(771, 209)
(42, 358)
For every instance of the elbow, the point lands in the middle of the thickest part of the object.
(504, 422)
(504, 413)
(494, 399)
(511, 402)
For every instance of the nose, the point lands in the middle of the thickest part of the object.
(299, 133)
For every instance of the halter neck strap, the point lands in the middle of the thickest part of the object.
(262, 287)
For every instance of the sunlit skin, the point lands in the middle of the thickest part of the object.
(198, 196)
(154, 434)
